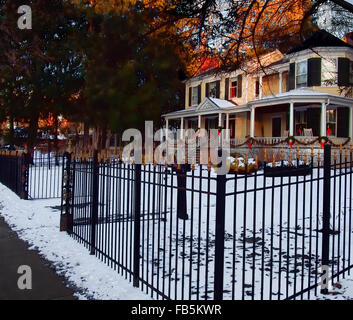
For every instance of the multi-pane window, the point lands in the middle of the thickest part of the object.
(302, 74)
(212, 89)
(233, 89)
(331, 120)
(194, 96)
(329, 71)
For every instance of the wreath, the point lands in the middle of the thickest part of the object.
(290, 141)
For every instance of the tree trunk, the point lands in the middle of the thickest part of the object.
(11, 131)
(85, 135)
(32, 134)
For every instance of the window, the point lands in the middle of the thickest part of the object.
(233, 89)
(302, 74)
(212, 89)
(331, 119)
(194, 96)
(329, 72)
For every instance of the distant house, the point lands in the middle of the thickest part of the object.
(300, 93)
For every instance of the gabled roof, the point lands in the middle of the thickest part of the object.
(214, 104)
(320, 38)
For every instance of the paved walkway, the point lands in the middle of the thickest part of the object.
(46, 284)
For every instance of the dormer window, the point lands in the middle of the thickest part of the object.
(302, 74)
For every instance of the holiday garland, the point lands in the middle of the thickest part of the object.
(291, 141)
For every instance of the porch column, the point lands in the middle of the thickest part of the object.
(252, 122)
(220, 120)
(181, 128)
(323, 119)
(199, 122)
(227, 126)
(291, 119)
(166, 128)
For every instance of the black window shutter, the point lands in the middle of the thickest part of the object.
(314, 72)
(227, 89)
(240, 86)
(342, 122)
(343, 72)
(207, 89)
(190, 96)
(292, 76)
(218, 86)
(199, 94)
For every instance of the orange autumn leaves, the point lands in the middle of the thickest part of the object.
(255, 27)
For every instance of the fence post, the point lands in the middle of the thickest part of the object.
(137, 224)
(326, 211)
(24, 175)
(66, 218)
(95, 190)
(220, 229)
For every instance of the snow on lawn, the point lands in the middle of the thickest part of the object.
(37, 223)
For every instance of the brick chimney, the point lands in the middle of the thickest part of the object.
(349, 38)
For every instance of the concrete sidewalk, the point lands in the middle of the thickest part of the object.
(46, 284)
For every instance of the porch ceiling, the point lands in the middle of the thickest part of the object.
(302, 96)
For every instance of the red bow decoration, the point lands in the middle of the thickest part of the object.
(291, 144)
(197, 133)
(300, 131)
(219, 132)
(322, 144)
(250, 145)
(329, 131)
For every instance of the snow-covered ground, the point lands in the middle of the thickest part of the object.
(37, 222)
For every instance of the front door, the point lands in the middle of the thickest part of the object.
(276, 127)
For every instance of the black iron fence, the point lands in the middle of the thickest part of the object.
(13, 172)
(277, 230)
(45, 175)
(37, 177)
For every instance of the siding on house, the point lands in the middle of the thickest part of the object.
(277, 63)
